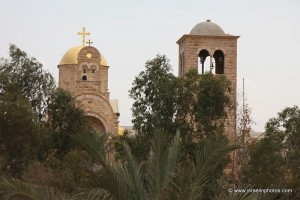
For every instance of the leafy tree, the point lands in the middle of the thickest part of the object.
(68, 173)
(20, 139)
(24, 90)
(140, 146)
(27, 75)
(213, 100)
(70, 164)
(37, 125)
(244, 120)
(195, 104)
(64, 121)
(244, 124)
(203, 103)
(281, 147)
(154, 92)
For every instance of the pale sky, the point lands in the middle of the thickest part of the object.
(130, 32)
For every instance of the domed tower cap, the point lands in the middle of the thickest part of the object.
(207, 28)
(70, 57)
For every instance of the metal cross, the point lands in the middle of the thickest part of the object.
(83, 34)
(89, 42)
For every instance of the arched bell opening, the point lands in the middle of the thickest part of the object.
(203, 61)
(96, 124)
(219, 62)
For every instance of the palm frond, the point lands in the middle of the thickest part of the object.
(210, 154)
(162, 164)
(95, 193)
(132, 173)
(113, 180)
(239, 196)
(95, 144)
(16, 190)
(109, 182)
(192, 176)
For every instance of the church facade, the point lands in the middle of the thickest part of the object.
(83, 71)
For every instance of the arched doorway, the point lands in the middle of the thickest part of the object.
(96, 124)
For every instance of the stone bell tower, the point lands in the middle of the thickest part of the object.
(83, 71)
(208, 49)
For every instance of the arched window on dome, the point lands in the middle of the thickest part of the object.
(203, 61)
(84, 78)
(219, 62)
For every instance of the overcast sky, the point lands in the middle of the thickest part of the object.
(130, 32)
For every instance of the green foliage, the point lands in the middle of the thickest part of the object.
(37, 126)
(140, 146)
(26, 75)
(196, 104)
(152, 90)
(281, 147)
(70, 164)
(24, 89)
(19, 132)
(213, 100)
(68, 174)
(164, 175)
(65, 120)
(16, 190)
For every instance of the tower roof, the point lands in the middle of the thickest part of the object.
(70, 57)
(207, 28)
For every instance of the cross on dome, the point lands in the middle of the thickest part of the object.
(89, 42)
(83, 34)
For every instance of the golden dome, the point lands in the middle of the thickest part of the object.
(121, 131)
(70, 57)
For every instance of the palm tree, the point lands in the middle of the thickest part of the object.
(11, 189)
(165, 175)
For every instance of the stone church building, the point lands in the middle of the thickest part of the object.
(83, 71)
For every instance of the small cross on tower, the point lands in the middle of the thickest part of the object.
(83, 34)
(89, 42)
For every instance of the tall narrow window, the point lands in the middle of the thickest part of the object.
(93, 70)
(84, 70)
